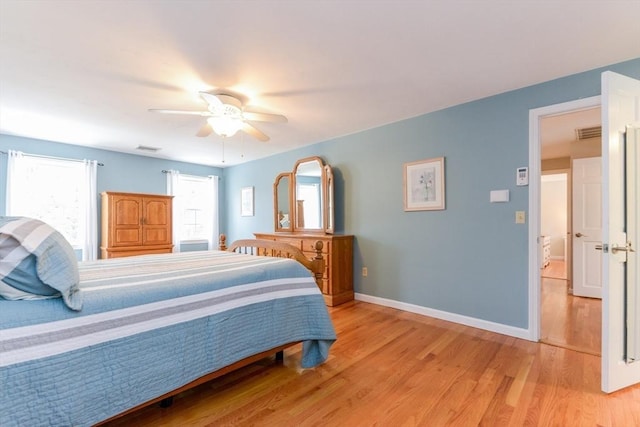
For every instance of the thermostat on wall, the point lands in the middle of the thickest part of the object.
(522, 176)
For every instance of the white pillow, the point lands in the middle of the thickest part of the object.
(37, 262)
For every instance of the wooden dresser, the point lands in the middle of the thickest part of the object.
(546, 251)
(135, 224)
(338, 254)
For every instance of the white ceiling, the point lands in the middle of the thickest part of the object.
(86, 72)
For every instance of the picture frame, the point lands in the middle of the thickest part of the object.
(424, 185)
(247, 202)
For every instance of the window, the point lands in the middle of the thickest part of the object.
(59, 192)
(194, 208)
(50, 190)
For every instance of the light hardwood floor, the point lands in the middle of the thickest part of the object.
(565, 320)
(557, 269)
(393, 368)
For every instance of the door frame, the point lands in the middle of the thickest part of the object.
(535, 172)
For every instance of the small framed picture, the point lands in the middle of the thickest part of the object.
(424, 185)
(247, 200)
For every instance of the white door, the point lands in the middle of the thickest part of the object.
(633, 239)
(587, 227)
(620, 108)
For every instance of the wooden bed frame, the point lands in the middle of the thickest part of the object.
(278, 249)
(251, 247)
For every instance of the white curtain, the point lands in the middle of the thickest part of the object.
(90, 214)
(15, 167)
(173, 181)
(214, 224)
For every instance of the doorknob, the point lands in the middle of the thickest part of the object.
(580, 235)
(626, 248)
(615, 248)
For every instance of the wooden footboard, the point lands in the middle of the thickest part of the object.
(278, 249)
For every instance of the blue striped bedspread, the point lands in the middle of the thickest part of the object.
(149, 325)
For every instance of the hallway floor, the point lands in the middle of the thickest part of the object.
(568, 321)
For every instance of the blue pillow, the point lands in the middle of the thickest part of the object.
(37, 262)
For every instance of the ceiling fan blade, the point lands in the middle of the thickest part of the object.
(264, 117)
(205, 130)
(192, 113)
(211, 99)
(259, 135)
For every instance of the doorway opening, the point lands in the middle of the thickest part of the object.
(620, 108)
(566, 319)
(558, 316)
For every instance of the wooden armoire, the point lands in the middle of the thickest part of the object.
(135, 224)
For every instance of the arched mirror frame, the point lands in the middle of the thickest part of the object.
(326, 194)
(283, 217)
(329, 201)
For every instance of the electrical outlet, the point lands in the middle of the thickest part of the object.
(365, 272)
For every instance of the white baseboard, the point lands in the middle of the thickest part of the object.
(499, 328)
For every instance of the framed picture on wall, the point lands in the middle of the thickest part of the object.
(247, 199)
(424, 185)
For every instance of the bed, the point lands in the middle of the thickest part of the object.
(151, 326)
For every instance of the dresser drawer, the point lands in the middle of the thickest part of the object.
(295, 242)
(309, 245)
(337, 251)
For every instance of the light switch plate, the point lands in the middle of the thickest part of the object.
(498, 196)
(520, 217)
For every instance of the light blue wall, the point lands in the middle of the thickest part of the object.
(121, 172)
(470, 259)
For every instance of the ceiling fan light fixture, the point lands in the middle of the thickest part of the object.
(224, 125)
(226, 115)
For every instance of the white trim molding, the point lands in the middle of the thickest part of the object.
(499, 328)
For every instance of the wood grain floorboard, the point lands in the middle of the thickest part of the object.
(566, 320)
(557, 269)
(393, 368)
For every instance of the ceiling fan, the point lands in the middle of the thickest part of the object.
(226, 115)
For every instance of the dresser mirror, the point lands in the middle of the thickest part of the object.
(304, 197)
(282, 202)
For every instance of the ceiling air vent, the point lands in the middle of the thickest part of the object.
(587, 133)
(147, 148)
